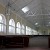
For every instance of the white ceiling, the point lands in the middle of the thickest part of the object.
(40, 9)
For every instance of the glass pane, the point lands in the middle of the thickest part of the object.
(26, 28)
(11, 22)
(18, 25)
(4, 28)
(27, 33)
(1, 19)
(0, 27)
(18, 30)
(11, 29)
(22, 26)
(23, 31)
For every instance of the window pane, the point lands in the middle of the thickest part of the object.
(18, 30)
(22, 26)
(1, 19)
(11, 29)
(18, 25)
(0, 27)
(11, 22)
(26, 27)
(4, 28)
(27, 32)
(23, 31)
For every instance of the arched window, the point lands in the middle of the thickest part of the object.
(2, 23)
(23, 29)
(11, 26)
(18, 28)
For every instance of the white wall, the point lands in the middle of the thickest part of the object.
(38, 42)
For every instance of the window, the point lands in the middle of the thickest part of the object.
(27, 30)
(2, 23)
(23, 28)
(35, 32)
(11, 26)
(25, 9)
(18, 27)
(30, 31)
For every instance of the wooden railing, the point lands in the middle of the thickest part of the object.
(13, 41)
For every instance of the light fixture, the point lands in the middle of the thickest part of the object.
(36, 23)
(25, 9)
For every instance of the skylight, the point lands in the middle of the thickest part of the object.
(36, 23)
(25, 9)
